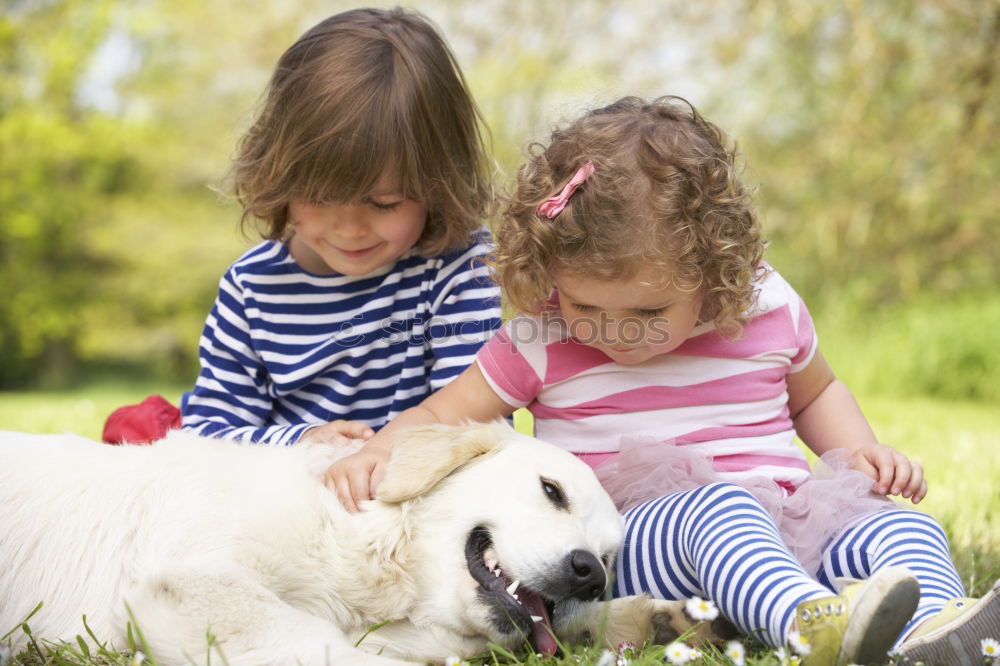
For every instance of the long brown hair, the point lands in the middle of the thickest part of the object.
(360, 92)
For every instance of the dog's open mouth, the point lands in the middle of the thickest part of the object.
(518, 605)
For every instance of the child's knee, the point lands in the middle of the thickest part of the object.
(905, 520)
(727, 493)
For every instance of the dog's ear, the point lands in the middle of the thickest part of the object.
(424, 455)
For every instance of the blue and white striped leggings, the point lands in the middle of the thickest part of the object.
(717, 542)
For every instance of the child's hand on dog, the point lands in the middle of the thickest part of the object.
(354, 478)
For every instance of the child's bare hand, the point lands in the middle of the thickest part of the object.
(894, 473)
(335, 432)
(355, 478)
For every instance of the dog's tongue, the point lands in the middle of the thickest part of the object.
(541, 632)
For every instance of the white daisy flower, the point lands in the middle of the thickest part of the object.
(607, 658)
(736, 653)
(678, 653)
(799, 643)
(701, 609)
(137, 658)
(990, 647)
(786, 659)
(455, 661)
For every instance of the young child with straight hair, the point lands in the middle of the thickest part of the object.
(367, 172)
(654, 342)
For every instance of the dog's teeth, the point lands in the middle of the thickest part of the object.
(497, 572)
(536, 618)
(512, 587)
(515, 597)
(490, 558)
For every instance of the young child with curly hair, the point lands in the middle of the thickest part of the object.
(654, 342)
(368, 174)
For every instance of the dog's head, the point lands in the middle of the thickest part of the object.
(513, 535)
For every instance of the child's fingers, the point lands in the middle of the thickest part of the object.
(345, 478)
(862, 464)
(893, 472)
(885, 469)
(352, 429)
(377, 475)
(346, 499)
(917, 487)
(360, 490)
(341, 487)
(902, 473)
(354, 478)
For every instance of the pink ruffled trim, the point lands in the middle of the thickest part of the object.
(807, 518)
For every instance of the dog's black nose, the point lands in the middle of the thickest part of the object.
(588, 575)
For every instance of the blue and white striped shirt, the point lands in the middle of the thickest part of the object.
(284, 349)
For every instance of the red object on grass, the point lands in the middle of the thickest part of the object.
(143, 423)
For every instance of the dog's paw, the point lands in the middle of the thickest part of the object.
(671, 621)
(640, 619)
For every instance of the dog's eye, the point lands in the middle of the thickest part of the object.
(555, 494)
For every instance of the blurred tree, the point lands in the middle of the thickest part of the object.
(60, 164)
(111, 239)
(873, 128)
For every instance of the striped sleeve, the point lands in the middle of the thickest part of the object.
(507, 371)
(465, 311)
(230, 398)
(789, 323)
(806, 340)
(805, 336)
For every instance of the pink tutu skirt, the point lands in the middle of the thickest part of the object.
(807, 519)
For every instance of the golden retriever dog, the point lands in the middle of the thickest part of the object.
(477, 534)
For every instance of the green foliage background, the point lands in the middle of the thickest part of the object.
(869, 128)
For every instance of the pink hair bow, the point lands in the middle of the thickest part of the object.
(554, 205)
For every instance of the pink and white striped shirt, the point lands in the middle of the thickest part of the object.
(726, 396)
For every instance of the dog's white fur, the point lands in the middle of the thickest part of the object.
(199, 536)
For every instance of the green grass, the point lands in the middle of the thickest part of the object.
(81, 410)
(955, 441)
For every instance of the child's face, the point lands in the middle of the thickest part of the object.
(359, 237)
(631, 321)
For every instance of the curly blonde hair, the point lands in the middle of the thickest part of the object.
(664, 195)
(362, 91)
